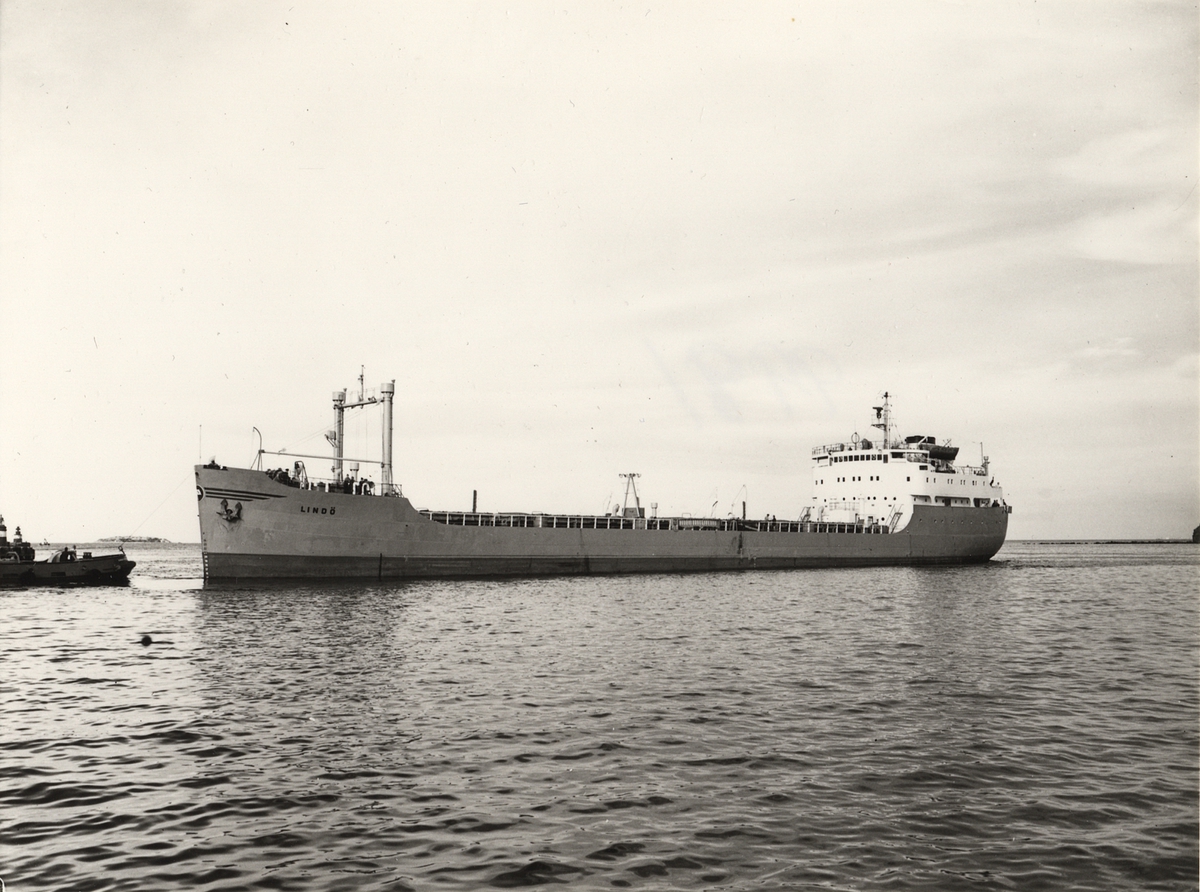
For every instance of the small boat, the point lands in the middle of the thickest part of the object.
(19, 565)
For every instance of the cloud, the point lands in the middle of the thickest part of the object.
(1149, 233)
(1114, 349)
(550, 224)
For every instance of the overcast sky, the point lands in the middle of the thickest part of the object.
(685, 240)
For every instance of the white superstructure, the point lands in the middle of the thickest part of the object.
(877, 482)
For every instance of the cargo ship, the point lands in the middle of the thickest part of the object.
(885, 501)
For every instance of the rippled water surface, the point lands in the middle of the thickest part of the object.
(1028, 724)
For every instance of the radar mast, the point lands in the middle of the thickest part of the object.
(883, 420)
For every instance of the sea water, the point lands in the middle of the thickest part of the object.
(1026, 724)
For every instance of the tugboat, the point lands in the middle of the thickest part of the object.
(19, 567)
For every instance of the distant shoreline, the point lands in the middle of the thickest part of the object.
(1103, 541)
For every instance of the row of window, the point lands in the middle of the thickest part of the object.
(866, 499)
(870, 477)
(962, 481)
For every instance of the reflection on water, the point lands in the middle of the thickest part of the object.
(1029, 723)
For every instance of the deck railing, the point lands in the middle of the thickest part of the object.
(678, 524)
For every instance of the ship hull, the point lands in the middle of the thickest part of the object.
(253, 527)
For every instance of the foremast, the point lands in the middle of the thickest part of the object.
(337, 439)
(337, 436)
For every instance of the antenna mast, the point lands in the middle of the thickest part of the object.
(883, 420)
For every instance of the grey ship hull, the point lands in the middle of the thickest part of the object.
(253, 527)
